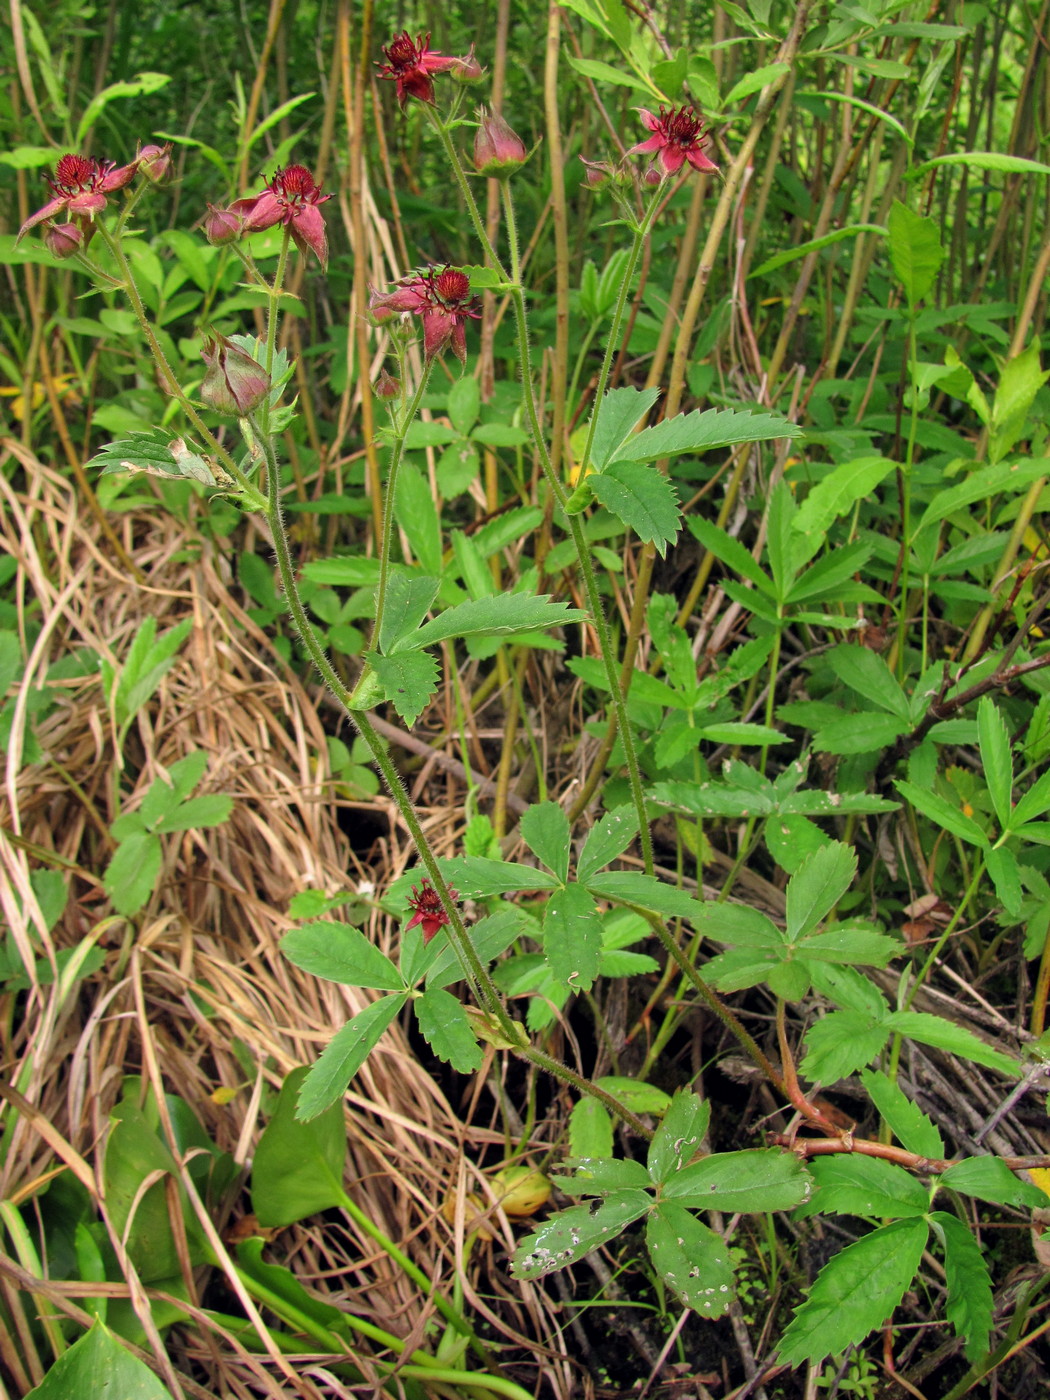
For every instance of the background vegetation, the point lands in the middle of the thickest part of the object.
(840, 658)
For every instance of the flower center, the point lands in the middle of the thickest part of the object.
(451, 287)
(294, 185)
(403, 53)
(683, 127)
(74, 174)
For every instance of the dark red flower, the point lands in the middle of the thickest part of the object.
(442, 299)
(676, 139)
(430, 912)
(291, 198)
(410, 62)
(79, 188)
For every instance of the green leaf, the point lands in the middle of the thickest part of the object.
(571, 1234)
(1002, 866)
(97, 1364)
(647, 892)
(446, 1029)
(135, 1152)
(545, 830)
(990, 1179)
(840, 1043)
(197, 813)
(597, 1176)
(864, 732)
(731, 552)
(970, 1305)
(572, 937)
(813, 245)
(619, 412)
(490, 936)
(297, 1169)
(478, 877)
(758, 1179)
(852, 1184)
(590, 1130)
(409, 681)
(498, 616)
(417, 516)
(606, 73)
(635, 1094)
(996, 759)
(867, 673)
(408, 600)
(690, 1258)
(348, 572)
(341, 953)
(945, 1035)
(984, 160)
(141, 84)
(464, 403)
(817, 886)
(755, 81)
(704, 431)
(1035, 801)
(915, 250)
(679, 1135)
(855, 1292)
(344, 1055)
(906, 1120)
(982, 485)
(607, 839)
(132, 874)
(643, 498)
(941, 811)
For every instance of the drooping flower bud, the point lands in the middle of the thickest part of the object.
(602, 172)
(498, 150)
(63, 240)
(155, 163)
(222, 226)
(235, 383)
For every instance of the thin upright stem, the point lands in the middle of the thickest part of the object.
(386, 550)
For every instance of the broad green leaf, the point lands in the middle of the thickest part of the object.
(635, 1094)
(619, 412)
(280, 1282)
(740, 924)
(755, 81)
(597, 1176)
(791, 839)
(852, 1184)
(866, 672)
(132, 874)
(197, 813)
(607, 73)
(984, 160)
(945, 1035)
(477, 876)
(446, 1028)
(545, 830)
(815, 803)
(590, 1130)
(409, 680)
(996, 759)
(349, 572)
(915, 250)
(571, 1234)
(607, 839)
(840, 1043)
(817, 886)
(830, 579)
(782, 546)
(982, 485)
(572, 937)
(135, 1152)
(731, 552)
(690, 1258)
(341, 953)
(97, 1364)
(758, 1179)
(679, 1136)
(813, 245)
(464, 403)
(712, 799)
(408, 600)
(863, 732)
(855, 1292)
(990, 1179)
(1002, 866)
(704, 431)
(498, 616)
(642, 497)
(941, 811)
(344, 1055)
(297, 1169)
(417, 516)
(906, 1120)
(647, 892)
(970, 1305)
(1035, 801)
(142, 83)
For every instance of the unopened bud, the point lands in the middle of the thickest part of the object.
(222, 226)
(652, 178)
(467, 69)
(235, 384)
(155, 163)
(498, 150)
(63, 240)
(386, 386)
(601, 173)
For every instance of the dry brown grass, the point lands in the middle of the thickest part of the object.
(200, 969)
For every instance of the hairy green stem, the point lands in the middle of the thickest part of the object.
(386, 549)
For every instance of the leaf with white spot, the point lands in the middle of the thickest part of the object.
(571, 1234)
(691, 1259)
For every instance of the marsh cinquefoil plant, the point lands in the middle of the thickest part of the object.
(655, 726)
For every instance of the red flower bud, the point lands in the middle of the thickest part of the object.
(155, 163)
(467, 69)
(498, 150)
(222, 226)
(235, 384)
(386, 386)
(63, 240)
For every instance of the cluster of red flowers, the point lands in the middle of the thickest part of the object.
(410, 63)
(291, 198)
(443, 302)
(79, 191)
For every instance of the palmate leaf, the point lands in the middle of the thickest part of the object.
(702, 431)
(855, 1292)
(498, 616)
(157, 453)
(643, 498)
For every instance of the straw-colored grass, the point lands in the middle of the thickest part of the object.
(200, 970)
